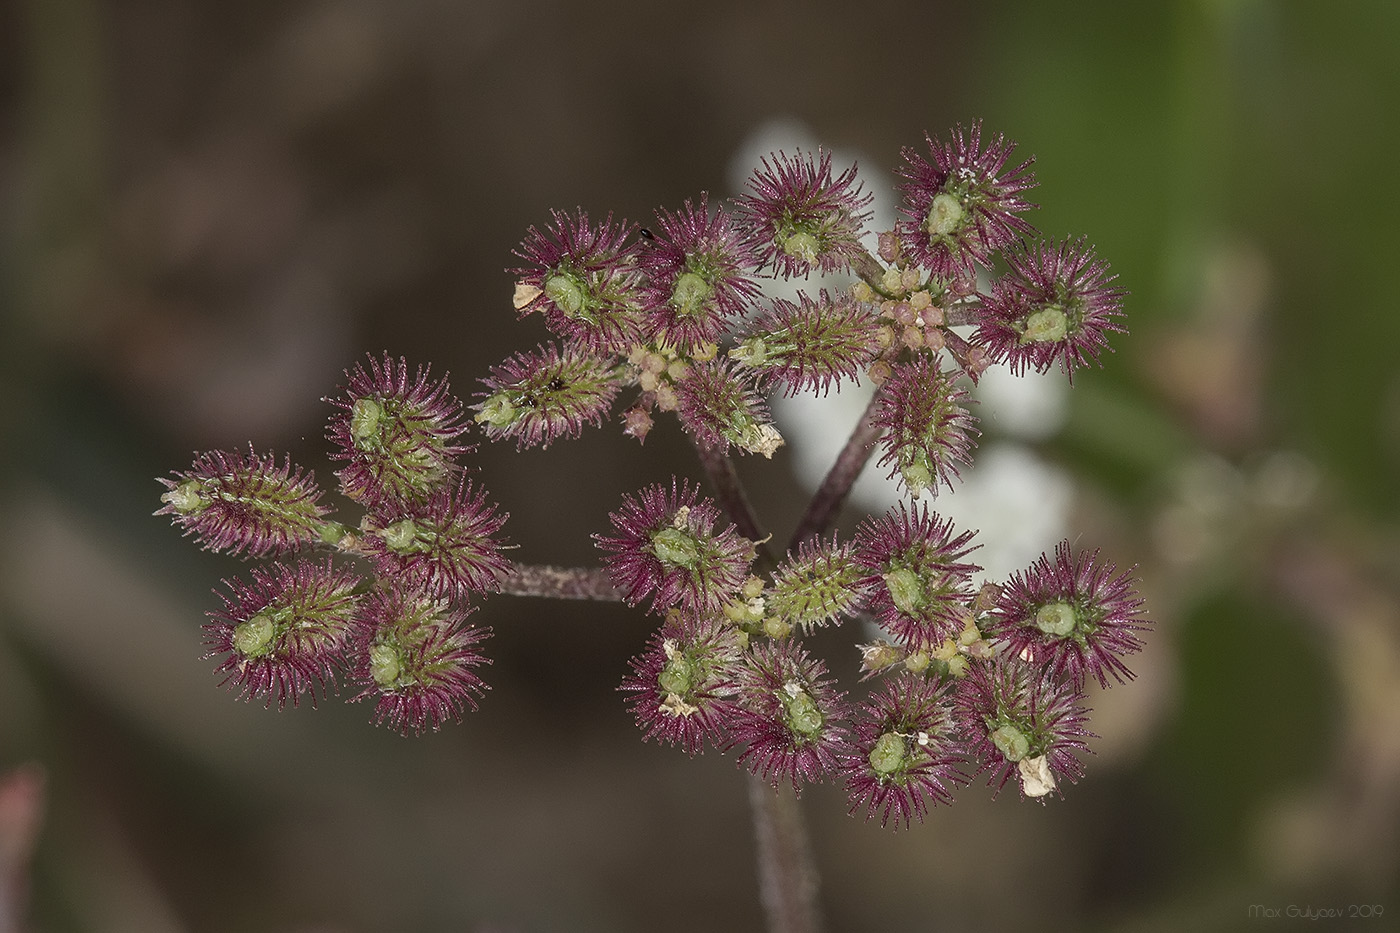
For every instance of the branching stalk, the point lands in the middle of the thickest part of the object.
(560, 583)
(822, 510)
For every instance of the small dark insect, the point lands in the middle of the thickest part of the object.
(555, 385)
(646, 234)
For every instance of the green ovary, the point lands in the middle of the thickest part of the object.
(917, 477)
(566, 293)
(690, 294)
(1011, 742)
(1058, 619)
(384, 666)
(803, 716)
(187, 497)
(944, 215)
(678, 676)
(676, 547)
(253, 638)
(497, 411)
(365, 416)
(888, 754)
(401, 536)
(802, 245)
(1045, 326)
(906, 590)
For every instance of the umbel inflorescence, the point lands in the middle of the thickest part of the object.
(974, 677)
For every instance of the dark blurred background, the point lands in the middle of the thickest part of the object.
(209, 210)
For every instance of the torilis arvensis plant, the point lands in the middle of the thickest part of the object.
(972, 679)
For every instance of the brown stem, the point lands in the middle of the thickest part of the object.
(822, 510)
(870, 270)
(560, 583)
(729, 489)
(787, 876)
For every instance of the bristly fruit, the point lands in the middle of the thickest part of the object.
(927, 429)
(543, 395)
(1058, 302)
(801, 218)
(445, 546)
(416, 657)
(810, 345)
(905, 753)
(667, 547)
(916, 581)
(245, 503)
(284, 633)
(961, 203)
(1018, 718)
(584, 278)
(791, 719)
(698, 276)
(682, 686)
(395, 433)
(1073, 615)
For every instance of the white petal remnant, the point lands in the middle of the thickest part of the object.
(1036, 777)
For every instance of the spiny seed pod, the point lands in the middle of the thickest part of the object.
(790, 720)
(394, 432)
(682, 686)
(1018, 718)
(1055, 303)
(416, 658)
(697, 269)
(540, 396)
(1073, 615)
(443, 546)
(905, 752)
(720, 408)
(915, 582)
(812, 344)
(667, 548)
(583, 277)
(245, 503)
(927, 431)
(802, 218)
(284, 633)
(961, 204)
(816, 586)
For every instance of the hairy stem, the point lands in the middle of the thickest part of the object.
(787, 873)
(787, 876)
(560, 583)
(870, 270)
(729, 490)
(822, 510)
